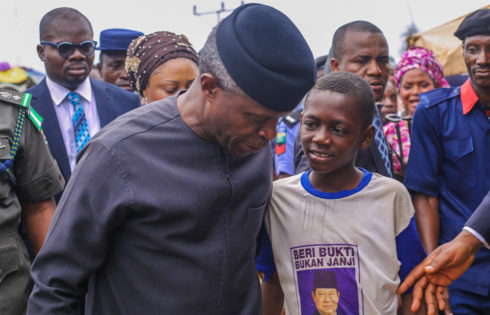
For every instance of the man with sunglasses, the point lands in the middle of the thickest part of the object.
(74, 107)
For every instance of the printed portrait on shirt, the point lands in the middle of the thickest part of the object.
(326, 279)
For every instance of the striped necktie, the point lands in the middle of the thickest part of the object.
(80, 127)
(380, 140)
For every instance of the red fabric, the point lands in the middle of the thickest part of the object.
(280, 148)
(468, 97)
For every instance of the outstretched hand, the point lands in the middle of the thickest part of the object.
(438, 270)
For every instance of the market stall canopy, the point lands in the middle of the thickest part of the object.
(447, 48)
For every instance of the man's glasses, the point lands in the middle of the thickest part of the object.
(66, 49)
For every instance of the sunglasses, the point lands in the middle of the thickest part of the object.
(66, 49)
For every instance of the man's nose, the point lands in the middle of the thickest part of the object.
(268, 129)
(374, 68)
(483, 57)
(76, 55)
(123, 74)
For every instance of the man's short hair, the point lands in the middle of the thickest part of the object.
(339, 36)
(210, 62)
(60, 13)
(351, 85)
(320, 62)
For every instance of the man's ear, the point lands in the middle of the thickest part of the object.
(209, 84)
(367, 137)
(41, 52)
(335, 64)
(99, 66)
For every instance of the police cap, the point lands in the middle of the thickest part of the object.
(117, 39)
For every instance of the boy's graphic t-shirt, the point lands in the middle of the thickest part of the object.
(340, 251)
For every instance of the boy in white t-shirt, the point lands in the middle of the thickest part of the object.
(337, 221)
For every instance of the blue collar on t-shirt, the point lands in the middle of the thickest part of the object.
(305, 181)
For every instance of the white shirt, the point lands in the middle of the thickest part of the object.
(352, 233)
(64, 111)
(477, 235)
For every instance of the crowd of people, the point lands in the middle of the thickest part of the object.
(247, 177)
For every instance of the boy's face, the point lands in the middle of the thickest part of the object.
(331, 131)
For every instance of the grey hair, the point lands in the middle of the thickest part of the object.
(210, 62)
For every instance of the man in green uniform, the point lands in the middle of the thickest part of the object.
(29, 177)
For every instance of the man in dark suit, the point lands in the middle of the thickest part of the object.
(361, 48)
(73, 106)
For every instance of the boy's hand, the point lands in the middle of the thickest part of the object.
(272, 296)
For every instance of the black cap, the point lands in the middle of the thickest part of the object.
(477, 23)
(324, 279)
(266, 55)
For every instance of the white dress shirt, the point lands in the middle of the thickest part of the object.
(64, 111)
(477, 235)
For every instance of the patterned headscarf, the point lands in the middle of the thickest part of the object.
(422, 58)
(148, 52)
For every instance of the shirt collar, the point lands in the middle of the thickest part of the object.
(468, 97)
(59, 92)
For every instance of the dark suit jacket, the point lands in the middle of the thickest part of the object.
(111, 101)
(480, 219)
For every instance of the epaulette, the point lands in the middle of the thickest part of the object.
(292, 118)
(437, 96)
(24, 101)
(11, 96)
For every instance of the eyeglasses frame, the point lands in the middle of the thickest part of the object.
(77, 46)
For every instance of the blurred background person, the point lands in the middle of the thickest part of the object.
(389, 101)
(417, 72)
(113, 46)
(321, 65)
(160, 64)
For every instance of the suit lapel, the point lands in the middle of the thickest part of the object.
(102, 100)
(43, 104)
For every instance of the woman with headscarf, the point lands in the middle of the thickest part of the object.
(160, 64)
(417, 72)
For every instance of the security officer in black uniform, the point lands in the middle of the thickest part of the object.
(29, 177)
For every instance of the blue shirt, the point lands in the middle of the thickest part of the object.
(449, 159)
(287, 129)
